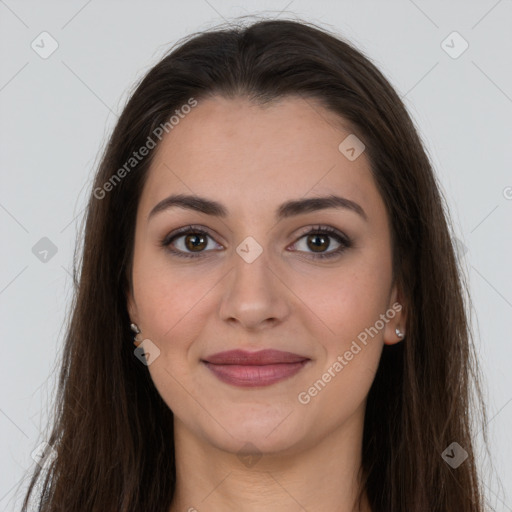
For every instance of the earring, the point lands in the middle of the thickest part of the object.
(399, 333)
(136, 330)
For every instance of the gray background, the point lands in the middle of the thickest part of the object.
(57, 112)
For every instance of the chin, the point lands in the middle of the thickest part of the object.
(262, 431)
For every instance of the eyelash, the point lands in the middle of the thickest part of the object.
(317, 230)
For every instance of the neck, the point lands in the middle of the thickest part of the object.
(322, 477)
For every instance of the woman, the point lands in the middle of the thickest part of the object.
(266, 220)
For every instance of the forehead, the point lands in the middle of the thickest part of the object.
(254, 157)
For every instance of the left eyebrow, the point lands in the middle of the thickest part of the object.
(299, 206)
(285, 210)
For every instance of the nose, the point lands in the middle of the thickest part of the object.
(254, 297)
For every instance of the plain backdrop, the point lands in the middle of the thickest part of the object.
(57, 111)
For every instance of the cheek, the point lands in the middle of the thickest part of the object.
(349, 303)
(169, 297)
(350, 348)
(347, 300)
(172, 308)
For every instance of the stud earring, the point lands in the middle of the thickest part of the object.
(399, 333)
(136, 330)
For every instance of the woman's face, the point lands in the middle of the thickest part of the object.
(256, 280)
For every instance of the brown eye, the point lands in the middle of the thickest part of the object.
(195, 242)
(318, 242)
(189, 242)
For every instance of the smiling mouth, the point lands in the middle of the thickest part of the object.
(253, 369)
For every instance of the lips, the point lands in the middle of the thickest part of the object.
(251, 369)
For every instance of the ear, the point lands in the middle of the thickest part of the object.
(397, 317)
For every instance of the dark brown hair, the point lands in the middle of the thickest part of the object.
(113, 433)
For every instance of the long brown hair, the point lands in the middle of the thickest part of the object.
(112, 432)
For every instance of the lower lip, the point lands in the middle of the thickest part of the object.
(253, 376)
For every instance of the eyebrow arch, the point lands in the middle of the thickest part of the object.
(285, 210)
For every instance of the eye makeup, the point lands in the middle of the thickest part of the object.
(323, 232)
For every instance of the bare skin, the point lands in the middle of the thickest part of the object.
(281, 446)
